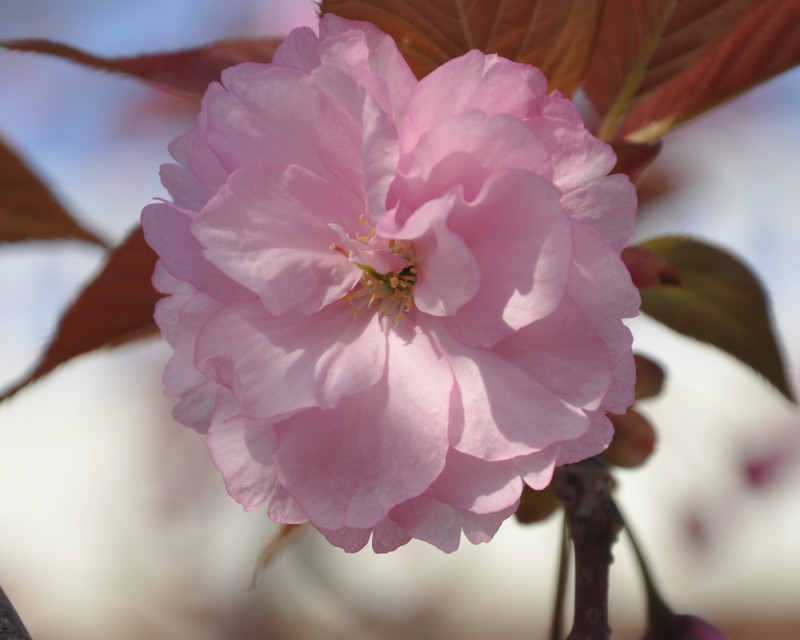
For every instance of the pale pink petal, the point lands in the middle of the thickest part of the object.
(578, 158)
(537, 468)
(299, 49)
(596, 440)
(564, 353)
(481, 527)
(506, 412)
(202, 161)
(181, 379)
(520, 238)
(166, 230)
(276, 366)
(183, 187)
(427, 519)
(242, 449)
(388, 536)
(598, 282)
(475, 485)
(472, 82)
(269, 230)
(380, 157)
(376, 448)
(233, 126)
(383, 58)
(462, 152)
(348, 538)
(623, 380)
(608, 206)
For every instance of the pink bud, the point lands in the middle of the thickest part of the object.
(648, 270)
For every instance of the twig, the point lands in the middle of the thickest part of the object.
(594, 523)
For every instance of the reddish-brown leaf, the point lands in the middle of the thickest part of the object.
(555, 35)
(189, 71)
(634, 440)
(113, 309)
(28, 211)
(765, 43)
(645, 44)
(649, 377)
(633, 159)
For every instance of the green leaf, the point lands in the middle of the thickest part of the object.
(188, 72)
(28, 211)
(720, 302)
(557, 36)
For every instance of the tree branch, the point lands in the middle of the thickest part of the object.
(594, 523)
(11, 627)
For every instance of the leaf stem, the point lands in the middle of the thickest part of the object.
(557, 623)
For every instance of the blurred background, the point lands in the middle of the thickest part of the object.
(113, 521)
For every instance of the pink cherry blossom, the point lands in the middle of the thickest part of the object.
(392, 302)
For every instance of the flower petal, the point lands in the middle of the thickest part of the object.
(276, 366)
(167, 231)
(520, 238)
(507, 413)
(374, 449)
(269, 230)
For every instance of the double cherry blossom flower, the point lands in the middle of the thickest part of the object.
(392, 302)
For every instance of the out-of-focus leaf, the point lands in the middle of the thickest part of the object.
(189, 71)
(719, 302)
(634, 440)
(114, 309)
(764, 44)
(649, 377)
(535, 506)
(633, 159)
(645, 44)
(28, 211)
(555, 35)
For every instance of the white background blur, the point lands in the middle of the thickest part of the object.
(113, 521)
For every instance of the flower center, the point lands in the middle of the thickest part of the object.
(390, 274)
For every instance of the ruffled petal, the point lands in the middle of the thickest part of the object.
(167, 231)
(462, 152)
(507, 413)
(472, 82)
(348, 466)
(269, 230)
(242, 449)
(276, 366)
(564, 353)
(475, 485)
(521, 241)
(379, 55)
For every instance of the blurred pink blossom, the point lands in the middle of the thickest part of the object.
(392, 302)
